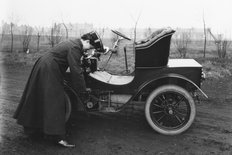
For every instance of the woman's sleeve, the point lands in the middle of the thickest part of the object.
(77, 78)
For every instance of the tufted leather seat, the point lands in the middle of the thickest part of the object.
(154, 50)
(153, 37)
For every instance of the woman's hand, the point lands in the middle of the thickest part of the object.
(106, 49)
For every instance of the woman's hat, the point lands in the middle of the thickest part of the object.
(95, 40)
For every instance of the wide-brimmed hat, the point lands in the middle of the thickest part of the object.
(95, 40)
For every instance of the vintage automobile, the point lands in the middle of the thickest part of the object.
(168, 88)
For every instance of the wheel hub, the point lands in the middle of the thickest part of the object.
(169, 107)
(170, 111)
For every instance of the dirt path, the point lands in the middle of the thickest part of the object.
(211, 133)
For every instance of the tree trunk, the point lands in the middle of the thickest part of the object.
(12, 37)
(38, 41)
(205, 38)
(66, 29)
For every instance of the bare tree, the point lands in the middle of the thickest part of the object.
(135, 27)
(26, 37)
(147, 32)
(66, 29)
(135, 30)
(38, 36)
(2, 34)
(38, 41)
(221, 44)
(12, 37)
(205, 37)
(5, 29)
(182, 41)
(55, 35)
(14, 19)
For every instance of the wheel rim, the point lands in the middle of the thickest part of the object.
(170, 110)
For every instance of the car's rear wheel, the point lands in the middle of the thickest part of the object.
(170, 110)
(68, 107)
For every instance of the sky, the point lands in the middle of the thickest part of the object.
(121, 13)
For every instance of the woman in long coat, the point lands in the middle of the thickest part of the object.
(42, 105)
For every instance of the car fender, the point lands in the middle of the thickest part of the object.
(167, 77)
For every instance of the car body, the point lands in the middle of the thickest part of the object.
(167, 87)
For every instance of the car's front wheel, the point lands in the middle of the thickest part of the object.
(170, 110)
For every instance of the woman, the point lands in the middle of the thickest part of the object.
(42, 106)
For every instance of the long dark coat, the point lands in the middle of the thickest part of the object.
(42, 104)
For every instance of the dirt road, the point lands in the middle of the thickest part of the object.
(211, 132)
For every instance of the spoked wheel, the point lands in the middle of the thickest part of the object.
(68, 107)
(170, 110)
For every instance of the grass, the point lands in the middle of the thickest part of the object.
(212, 65)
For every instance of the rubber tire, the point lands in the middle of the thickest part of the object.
(68, 107)
(163, 89)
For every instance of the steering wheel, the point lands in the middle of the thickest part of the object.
(120, 34)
